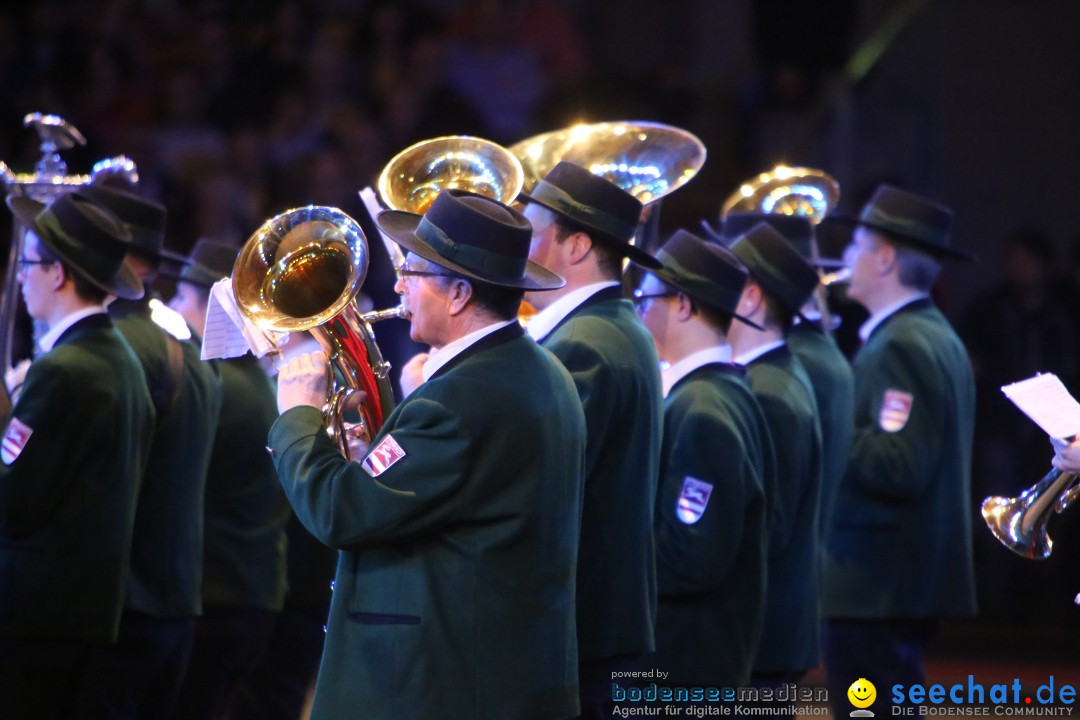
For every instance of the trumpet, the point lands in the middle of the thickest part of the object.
(1020, 523)
(302, 270)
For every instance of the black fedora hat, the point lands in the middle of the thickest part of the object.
(908, 219)
(776, 266)
(144, 218)
(796, 229)
(89, 239)
(595, 203)
(208, 262)
(706, 271)
(473, 235)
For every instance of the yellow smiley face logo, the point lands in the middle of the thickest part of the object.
(862, 693)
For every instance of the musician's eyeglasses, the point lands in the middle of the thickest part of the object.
(26, 263)
(640, 298)
(405, 271)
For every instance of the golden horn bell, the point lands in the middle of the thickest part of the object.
(646, 159)
(415, 176)
(1020, 523)
(786, 190)
(302, 270)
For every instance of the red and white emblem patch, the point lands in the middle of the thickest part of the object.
(14, 440)
(385, 454)
(895, 410)
(693, 500)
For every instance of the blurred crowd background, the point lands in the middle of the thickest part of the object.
(236, 111)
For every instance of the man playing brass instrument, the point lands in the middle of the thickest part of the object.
(898, 556)
(458, 531)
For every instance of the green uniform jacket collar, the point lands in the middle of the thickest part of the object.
(97, 321)
(609, 293)
(732, 369)
(922, 303)
(490, 340)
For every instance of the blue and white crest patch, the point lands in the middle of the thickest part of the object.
(692, 500)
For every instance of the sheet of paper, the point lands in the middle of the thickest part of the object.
(228, 332)
(1047, 402)
(371, 202)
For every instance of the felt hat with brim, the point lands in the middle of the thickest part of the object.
(474, 236)
(144, 218)
(908, 219)
(796, 229)
(706, 271)
(208, 262)
(606, 211)
(776, 266)
(86, 237)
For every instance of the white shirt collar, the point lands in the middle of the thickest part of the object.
(545, 321)
(448, 352)
(48, 340)
(882, 315)
(673, 374)
(754, 353)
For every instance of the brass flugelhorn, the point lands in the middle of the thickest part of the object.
(1020, 523)
(302, 270)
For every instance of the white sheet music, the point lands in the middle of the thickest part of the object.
(1046, 401)
(397, 257)
(228, 332)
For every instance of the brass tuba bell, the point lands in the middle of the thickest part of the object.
(302, 270)
(646, 159)
(786, 190)
(1020, 523)
(416, 175)
(801, 191)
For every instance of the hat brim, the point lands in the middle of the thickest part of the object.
(635, 254)
(939, 251)
(125, 284)
(673, 280)
(401, 227)
(716, 236)
(203, 281)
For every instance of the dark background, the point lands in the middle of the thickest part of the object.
(236, 111)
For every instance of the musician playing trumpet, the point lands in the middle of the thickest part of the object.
(899, 552)
(458, 528)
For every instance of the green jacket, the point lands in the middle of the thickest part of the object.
(900, 545)
(167, 548)
(67, 501)
(790, 635)
(458, 532)
(246, 510)
(613, 362)
(710, 529)
(834, 392)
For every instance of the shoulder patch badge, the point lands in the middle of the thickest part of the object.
(14, 440)
(385, 454)
(692, 500)
(895, 410)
